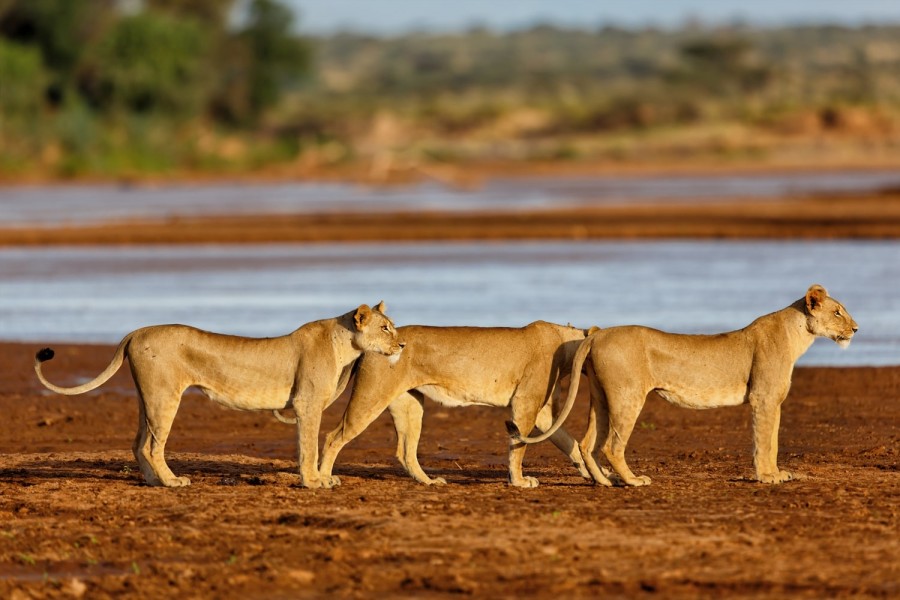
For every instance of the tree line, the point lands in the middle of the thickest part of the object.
(121, 86)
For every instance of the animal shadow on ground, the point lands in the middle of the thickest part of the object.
(73, 468)
(463, 476)
(230, 470)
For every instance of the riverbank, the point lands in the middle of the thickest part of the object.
(469, 174)
(872, 216)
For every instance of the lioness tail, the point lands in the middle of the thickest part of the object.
(284, 419)
(46, 354)
(580, 355)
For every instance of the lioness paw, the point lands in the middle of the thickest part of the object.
(311, 483)
(436, 481)
(177, 482)
(330, 481)
(602, 480)
(638, 480)
(779, 477)
(525, 482)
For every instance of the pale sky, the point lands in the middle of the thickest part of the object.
(393, 16)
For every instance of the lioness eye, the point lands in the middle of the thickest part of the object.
(837, 313)
(385, 329)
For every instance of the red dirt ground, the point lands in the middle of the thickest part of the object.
(76, 519)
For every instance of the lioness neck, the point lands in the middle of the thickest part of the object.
(342, 335)
(335, 335)
(793, 319)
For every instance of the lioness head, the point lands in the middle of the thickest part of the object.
(374, 331)
(827, 317)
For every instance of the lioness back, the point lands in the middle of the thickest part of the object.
(689, 370)
(493, 352)
(201, 350)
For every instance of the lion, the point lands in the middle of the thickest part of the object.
(308, 369)
(752, 365)
(461, 366)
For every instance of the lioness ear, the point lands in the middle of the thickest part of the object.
(363, 313)
(380, 307)
(815, 296)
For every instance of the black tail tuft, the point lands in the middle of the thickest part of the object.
(512, 430)
(45, 354)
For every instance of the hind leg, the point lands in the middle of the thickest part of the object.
(407, 412)
(524, 414)
(598, 424)
(158, 411)
(623, 406)
(562, 440)
(141, 447)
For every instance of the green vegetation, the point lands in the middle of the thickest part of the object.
(89, 88)
(86, 88)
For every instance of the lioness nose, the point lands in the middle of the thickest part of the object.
(855, 328)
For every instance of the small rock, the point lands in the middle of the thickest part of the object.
(74, 588)
(300, 576)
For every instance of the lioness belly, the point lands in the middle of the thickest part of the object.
(448, 397)
(708, 398)
(249, 399)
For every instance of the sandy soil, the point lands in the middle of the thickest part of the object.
(76, 519)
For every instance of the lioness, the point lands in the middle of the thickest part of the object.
(752, 365)
(308, 368)
(459, 366)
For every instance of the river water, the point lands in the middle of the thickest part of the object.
(98, 294)
(79, 204)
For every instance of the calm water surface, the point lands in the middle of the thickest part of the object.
(99, 294)
(49, 205)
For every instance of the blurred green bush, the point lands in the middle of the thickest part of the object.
(24, 80)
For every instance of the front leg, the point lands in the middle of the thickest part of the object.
(309, 418)
(406, 411)
(364, 407)
(766, 420)
(598, 427)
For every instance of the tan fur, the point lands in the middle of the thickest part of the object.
(308, 368)
(752, 365)
(461, 366)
